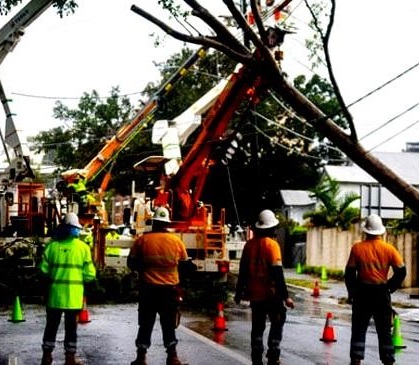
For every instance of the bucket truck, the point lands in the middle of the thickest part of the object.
(20, 199)
(73, 185)
(105, 158)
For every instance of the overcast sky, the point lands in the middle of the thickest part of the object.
(105, 44)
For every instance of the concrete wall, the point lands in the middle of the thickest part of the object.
(331, 246)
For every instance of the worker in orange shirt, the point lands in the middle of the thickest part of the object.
(261, 281)
(369, 289)
(156, 256)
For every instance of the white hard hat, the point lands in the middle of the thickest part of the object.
(374, 225)
(71, 219)
(162, 215)
(266, 220)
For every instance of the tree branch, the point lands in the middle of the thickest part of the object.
(325, 42)
(255, 6)
(243, 24)
(338, 94)
(219, 28)
(200, 40)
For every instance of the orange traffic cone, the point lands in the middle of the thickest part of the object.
(84, 316)
(316, 289)
(328, 332)
(219, 320)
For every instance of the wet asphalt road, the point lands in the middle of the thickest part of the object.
(109, 337)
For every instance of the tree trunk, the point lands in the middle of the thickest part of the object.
(408, 194)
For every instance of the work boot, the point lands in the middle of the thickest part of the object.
(70, 359)
(273, 357)
(172, 358)
(257, 357)
(356, 362)
(47, 357)
(141, 358)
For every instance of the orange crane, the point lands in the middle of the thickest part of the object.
(193, 221)
(108, 154)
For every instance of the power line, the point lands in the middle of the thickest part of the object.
(383, 85)
(390, 120)
(68, 97)
(395, 135)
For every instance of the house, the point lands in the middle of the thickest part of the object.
(374, 197)
(295, 203)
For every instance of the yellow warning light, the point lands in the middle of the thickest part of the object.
(202, 53)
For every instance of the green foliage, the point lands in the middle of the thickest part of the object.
(334, 210)
(85, 131)
(173, 9)
(410, 222)
(320, 11)
(317, 271)
(291, 227)
(198, 80)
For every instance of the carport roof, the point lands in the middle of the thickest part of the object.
(297, 198)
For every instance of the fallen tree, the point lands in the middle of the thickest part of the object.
(260, 56)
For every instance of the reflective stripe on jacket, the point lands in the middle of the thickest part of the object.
(68, 264)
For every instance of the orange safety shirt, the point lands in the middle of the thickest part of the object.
(159, 254)
(373, 259)
(259, 255)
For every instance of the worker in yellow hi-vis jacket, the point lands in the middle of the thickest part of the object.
(67, 264)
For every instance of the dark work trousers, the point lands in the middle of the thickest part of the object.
(153, 300)
(276, 312)
(372, 301)
(70, 327)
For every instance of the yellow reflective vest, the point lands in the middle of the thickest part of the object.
(68, 264)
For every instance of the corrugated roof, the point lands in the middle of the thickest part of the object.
(296, 197)
(404, 164)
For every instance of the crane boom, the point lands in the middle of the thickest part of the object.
(189, 181)
(11, 32)
(19, 203)
(10, 35)
(128, 131)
